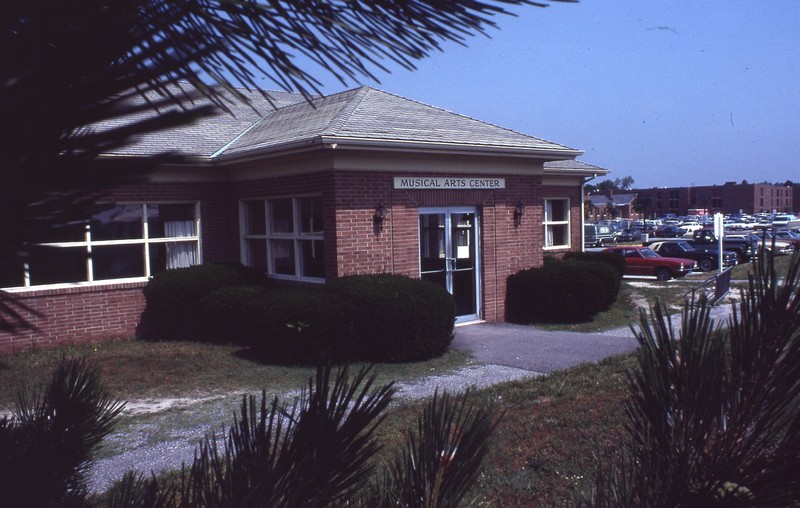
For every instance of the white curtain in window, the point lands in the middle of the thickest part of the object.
(549, 234)
(180, 254)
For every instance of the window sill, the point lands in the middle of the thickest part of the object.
(77, 286)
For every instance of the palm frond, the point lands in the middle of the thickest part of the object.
(714, 413)
(52, 436)
(316, 452)
(441, 459)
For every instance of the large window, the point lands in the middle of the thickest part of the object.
(284, 237)
(122, 242)
(556, 223)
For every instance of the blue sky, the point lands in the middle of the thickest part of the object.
(670, 92)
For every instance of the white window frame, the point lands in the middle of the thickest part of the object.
(87, 244)
(548, 223)
(296, 236)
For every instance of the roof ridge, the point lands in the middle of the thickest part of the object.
(340, 119)
(221, 150)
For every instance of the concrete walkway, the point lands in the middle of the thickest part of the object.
(541, 351)
(544, 351)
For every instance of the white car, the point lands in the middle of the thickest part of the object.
(690, 227)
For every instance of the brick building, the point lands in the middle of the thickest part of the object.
(610, 205)
(358, 182)
(731, 197)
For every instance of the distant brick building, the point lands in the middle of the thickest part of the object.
(358, 182)
(731, 197)
(611, 205)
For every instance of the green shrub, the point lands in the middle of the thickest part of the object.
(396, 318)
(305, 325)
(173, 298)
(240, 314)
(360, 318)
(283, 324)
(610, 281)
(558, 292)
(614, 259)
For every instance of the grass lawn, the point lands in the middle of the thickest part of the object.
(552, 431)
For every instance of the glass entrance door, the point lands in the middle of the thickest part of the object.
(448, 255)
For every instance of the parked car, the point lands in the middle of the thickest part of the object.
(645, 261)
(789, 236)
(669, 231)
(689, 227)
(630, 235)
(598, 235)
(760, 241)
(743, 246)
(706, 259)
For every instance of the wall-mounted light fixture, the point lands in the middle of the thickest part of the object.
(380, 215)
(519, 211)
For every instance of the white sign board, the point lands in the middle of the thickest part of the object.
(719, 232)
(449, 183)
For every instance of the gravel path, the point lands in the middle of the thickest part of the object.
(165, 433)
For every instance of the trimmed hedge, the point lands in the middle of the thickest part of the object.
(173, 298)
(397, 318)
(614, 259)
(561, 292)
(375, 318)
(282, 324)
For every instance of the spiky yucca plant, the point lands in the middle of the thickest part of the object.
(315, 452)
(441, 458)
(714, 414)
(320, 452)
(47, 444)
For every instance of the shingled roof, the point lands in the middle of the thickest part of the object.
(363, 117)
(574, 167)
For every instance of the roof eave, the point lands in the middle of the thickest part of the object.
(378, 144)
(585, 173)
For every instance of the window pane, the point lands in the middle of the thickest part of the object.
(282, 252)
(119, 223)
(170, 221)
(557, 236)
(313, 258)
(164, 256)
(75, 232)
(54, 265)
(255, 219)
(256, 255)
(118, 261)
(281, 216)
(311, 215)
(558, 210)
(12, 270)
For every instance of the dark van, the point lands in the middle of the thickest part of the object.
(598, 235)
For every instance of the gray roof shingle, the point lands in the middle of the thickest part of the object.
(362, 116)
(367, 115)
(573, 166)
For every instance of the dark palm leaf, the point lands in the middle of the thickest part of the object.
(315, 453)
(441, 459)
(714, 414)
(52, 437)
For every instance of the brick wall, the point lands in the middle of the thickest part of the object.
(75, 315)
(85, 314)
(505, 247)
(354, 242)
